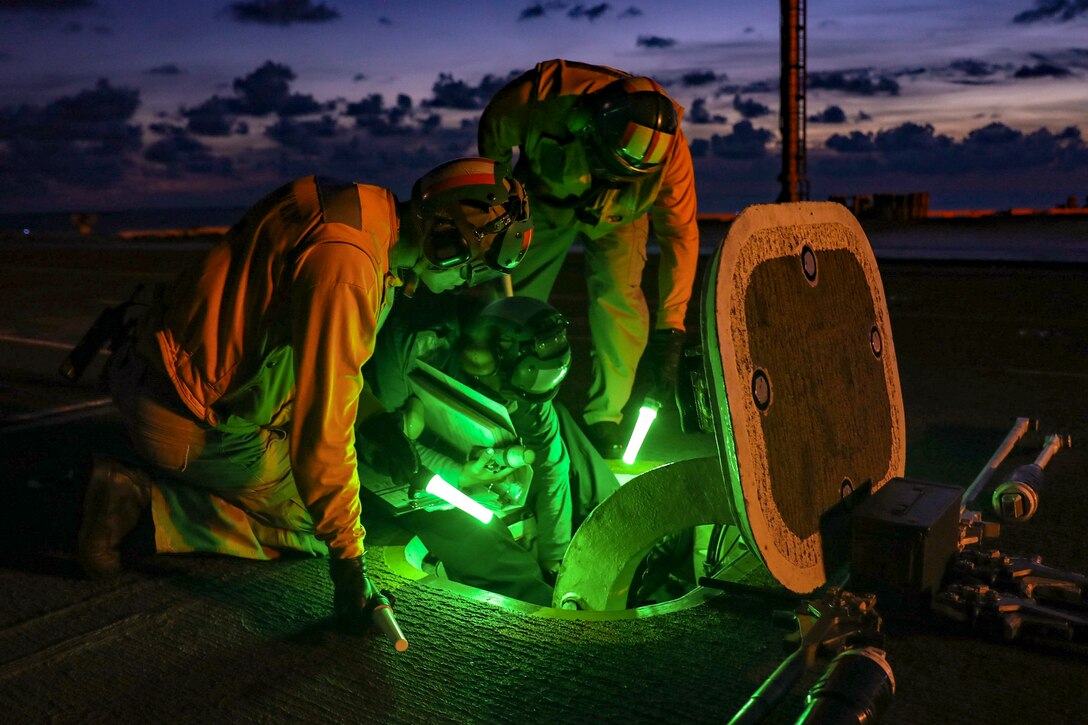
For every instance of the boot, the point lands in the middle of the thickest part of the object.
(116, 496)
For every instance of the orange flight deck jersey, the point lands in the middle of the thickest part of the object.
(534, 113)
(272, 327)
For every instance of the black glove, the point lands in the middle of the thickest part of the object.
(354, 595)
(386, 449)
(662, 360)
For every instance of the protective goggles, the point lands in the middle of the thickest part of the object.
(484, 251)
(638, 151)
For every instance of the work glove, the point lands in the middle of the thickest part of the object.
(662, 361)
(386, 449)
(354, 594)
(486, 465)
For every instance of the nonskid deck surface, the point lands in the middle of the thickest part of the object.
(210, 639)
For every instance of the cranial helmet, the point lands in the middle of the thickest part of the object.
(629, 126)
(521, 343)
(474, 216)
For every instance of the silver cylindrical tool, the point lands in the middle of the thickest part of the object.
(1019, 428)
(383, 619)
(1017, 499)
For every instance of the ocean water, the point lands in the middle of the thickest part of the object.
(1038, 239)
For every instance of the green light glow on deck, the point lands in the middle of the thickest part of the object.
(438, 486)
(646, 416)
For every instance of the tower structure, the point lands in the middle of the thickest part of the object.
(792, 101)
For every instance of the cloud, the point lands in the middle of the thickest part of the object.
(591, 12)
(267, 90)
(83, 140)
(749, 107)
(974, 68)
(281, 12)
(745, 142)
(698, 78)
(213, 117)
(968, 71)
(861, 82)
(93, 115)
(1054, 64)
(856, 142)
(1042, 70)
(304, 136)
(1059, 10)
(167, 69)
(371, 113)
(46, 6)
(532, 12)
(1072, 58)
(698, 113)
(912, 72)
(754, 87)
(917, 149)
(83, 146)
(453, 93)
(654, 41)
(393, 164)
(386, 21)
(178, 153)
(831, 114)
(574, 12)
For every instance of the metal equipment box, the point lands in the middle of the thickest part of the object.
(904, 536)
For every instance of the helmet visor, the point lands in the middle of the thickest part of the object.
(538, 374)
(498, 234)
(542, 383)
(631, 152)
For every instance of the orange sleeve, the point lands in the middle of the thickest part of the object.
(334, 304)
(504, 122)
(673, 217)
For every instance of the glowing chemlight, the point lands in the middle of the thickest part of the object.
(646, 416)
(438, 486)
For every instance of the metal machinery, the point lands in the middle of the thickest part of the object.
(792, 292)
(801, 387)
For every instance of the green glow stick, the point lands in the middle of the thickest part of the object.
(646, 416)
(453, 495)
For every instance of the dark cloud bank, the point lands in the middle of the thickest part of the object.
(88, 143)
(1054, 10)
(281, 12)
(576, 11)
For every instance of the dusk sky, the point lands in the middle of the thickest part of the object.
(119, 104)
